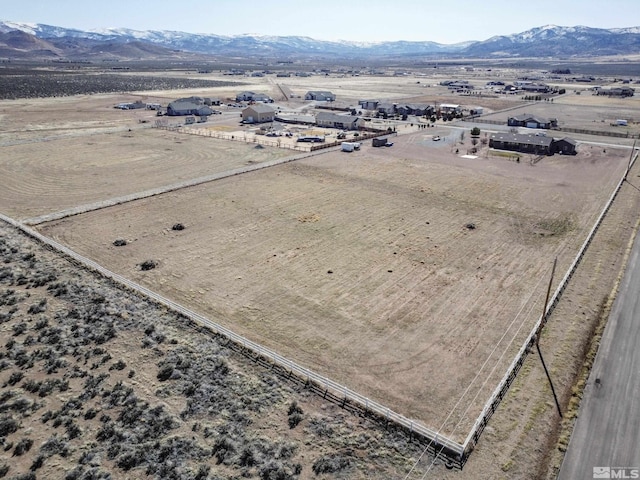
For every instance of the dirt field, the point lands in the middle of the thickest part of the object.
(378, 282)
(45, 177)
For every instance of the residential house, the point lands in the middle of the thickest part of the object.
(534, 144)
(187, 106)
(343, 122)
(322, 96)
(564, 146)
(536, 88)
(617, 92)
(531, 121)
(368, 104)
(416, 109)
(387, 108)
(253, 97)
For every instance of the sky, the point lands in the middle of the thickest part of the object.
(443, 21)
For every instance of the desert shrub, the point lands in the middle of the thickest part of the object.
(73, 430)
(4, 469)
(275, 471)
(55, 445)
(165, 372)
(58, 289)
(31, 386)
(178, 227)
(15, 377)
(320, 427)
(40, 324)
(119, 242)
(39, 307)
(148, 265)
(22, 446)
(330, 464)
(19, 328)
(294, 419)
(25, 476)
(90, 414)
(202, 473)
(223, 450)
(37, 463)
(8, 425)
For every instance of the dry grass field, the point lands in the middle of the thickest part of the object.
(409, 274)
(365, 267)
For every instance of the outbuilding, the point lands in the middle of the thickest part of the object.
(258, 113)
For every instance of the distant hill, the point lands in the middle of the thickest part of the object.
(39, 40)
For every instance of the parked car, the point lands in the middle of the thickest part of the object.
(436, 138)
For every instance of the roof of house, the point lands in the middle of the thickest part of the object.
(527, 117)
(260, 108)
(325, 93)
(522, 139)
(568, 140)
(334, 117)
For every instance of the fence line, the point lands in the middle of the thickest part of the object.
(263, 140)
(438, 444)
(510, 375)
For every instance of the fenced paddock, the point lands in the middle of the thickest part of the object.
(364, 271)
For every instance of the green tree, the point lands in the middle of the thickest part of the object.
(475, 132)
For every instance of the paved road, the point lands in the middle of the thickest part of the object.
(607, 432)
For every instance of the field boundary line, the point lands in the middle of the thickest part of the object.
(503, 386)
(89, 207)
(439, 445)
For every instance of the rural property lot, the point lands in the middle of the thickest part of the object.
(403, 273)
(45, 177)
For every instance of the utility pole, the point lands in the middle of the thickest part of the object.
(633, 149)
(544, 313)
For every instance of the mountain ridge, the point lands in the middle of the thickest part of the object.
(545, 41)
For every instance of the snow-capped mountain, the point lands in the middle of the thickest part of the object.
(553, 40)
(549, 40)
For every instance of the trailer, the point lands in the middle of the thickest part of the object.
(350, 146)
(378, 142)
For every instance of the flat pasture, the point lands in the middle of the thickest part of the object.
(41, 177)
(407, 274)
